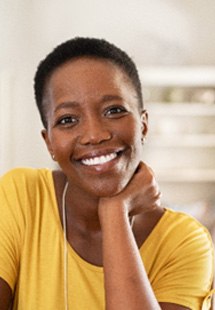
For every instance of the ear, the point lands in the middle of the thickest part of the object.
(45, 136)
(144, 122)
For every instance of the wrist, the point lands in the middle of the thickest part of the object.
(112, 212)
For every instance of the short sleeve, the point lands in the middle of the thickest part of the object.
(11, 227)
(187, 274)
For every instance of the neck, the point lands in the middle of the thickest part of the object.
(82, 209)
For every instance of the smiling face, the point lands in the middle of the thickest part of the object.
(94, 125)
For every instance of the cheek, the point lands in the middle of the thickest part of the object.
(132, 134)
(62, 147)
(135, 137)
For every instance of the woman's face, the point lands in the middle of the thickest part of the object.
(94, 125)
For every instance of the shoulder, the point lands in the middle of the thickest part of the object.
(20, 176)
(179, 236)
(24, 172)
(183, 222)
(182, 225)
(180, 253)
(23, 192)
(187, 240)
(21, 186)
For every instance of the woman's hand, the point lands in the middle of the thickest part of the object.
(126, 282)
(139, 196)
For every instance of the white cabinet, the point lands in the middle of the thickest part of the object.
(180, 144)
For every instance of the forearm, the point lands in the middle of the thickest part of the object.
(5, 295)
(126, 282)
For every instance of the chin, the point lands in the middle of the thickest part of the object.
(109, 189)
(108, 192)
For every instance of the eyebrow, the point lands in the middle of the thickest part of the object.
(75, 104)
(110, 98)
(67, 104)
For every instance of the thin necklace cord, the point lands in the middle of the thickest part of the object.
(65, 246)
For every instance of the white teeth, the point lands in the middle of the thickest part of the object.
(99, 160)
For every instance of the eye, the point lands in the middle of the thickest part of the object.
(67, 121)
(115, 111)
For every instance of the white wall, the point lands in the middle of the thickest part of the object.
(155, 32)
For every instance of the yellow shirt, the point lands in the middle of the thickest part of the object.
(178, 254)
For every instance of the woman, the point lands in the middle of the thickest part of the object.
(93, 235)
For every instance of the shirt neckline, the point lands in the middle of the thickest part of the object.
(71, 251)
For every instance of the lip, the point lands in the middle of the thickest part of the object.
(99, 160)
(98, 153)
(106, 167)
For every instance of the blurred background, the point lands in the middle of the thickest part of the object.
(173, 45)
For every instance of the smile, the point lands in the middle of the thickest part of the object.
(99, 160)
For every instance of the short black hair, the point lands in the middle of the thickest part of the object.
(82, 47)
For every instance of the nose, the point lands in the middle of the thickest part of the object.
(94, 132)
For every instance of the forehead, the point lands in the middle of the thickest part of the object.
(89, 66)
(86, 75)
